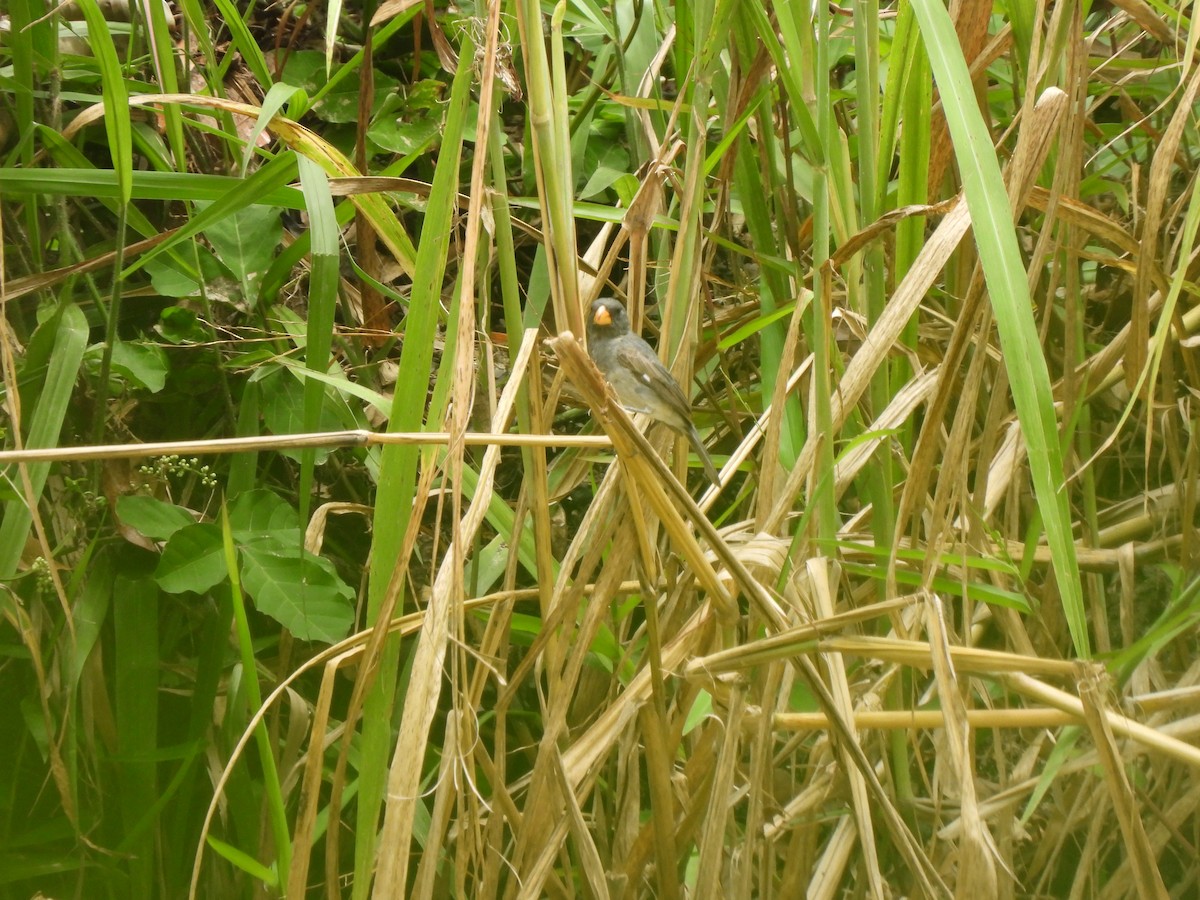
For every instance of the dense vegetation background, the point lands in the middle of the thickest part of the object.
(930, 277)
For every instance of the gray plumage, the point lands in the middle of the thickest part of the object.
(640, 381)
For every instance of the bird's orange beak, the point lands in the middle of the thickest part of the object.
(602, 316)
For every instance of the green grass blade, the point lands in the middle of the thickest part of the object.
(276, 811)
(246, 192)
(69, 330)
(135, 628)
(244, 42)
(1029, 376)
(162, 48)
(322, 301)
(116, 98)
(102, 184)
(398, 469)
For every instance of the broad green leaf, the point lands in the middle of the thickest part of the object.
(151, 517)
(260, 516)
(246, 240)
(192, 560)
(171, 279)
(303, 594)
(283, 411)
(140, 364)
(241, 194)
(611, 163)
(336, 99)
(399, 135)
(182, 326)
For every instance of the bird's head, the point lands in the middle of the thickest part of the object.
(608, 316)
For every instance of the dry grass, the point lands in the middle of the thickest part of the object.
(934, 634)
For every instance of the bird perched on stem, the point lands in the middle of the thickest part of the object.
(640, 381)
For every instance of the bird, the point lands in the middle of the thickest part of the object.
(640, 381)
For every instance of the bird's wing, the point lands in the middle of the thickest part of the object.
(647, 369)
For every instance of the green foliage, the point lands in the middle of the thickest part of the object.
(298, 589)
(941, 315)
(153, 518)
(302, 593)
(245, 242)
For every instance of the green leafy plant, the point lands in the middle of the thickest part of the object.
(300, 590)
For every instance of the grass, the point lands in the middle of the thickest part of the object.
(444, 620)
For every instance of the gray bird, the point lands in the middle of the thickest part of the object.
(640, 381)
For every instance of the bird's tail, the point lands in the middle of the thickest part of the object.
(709, 469)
